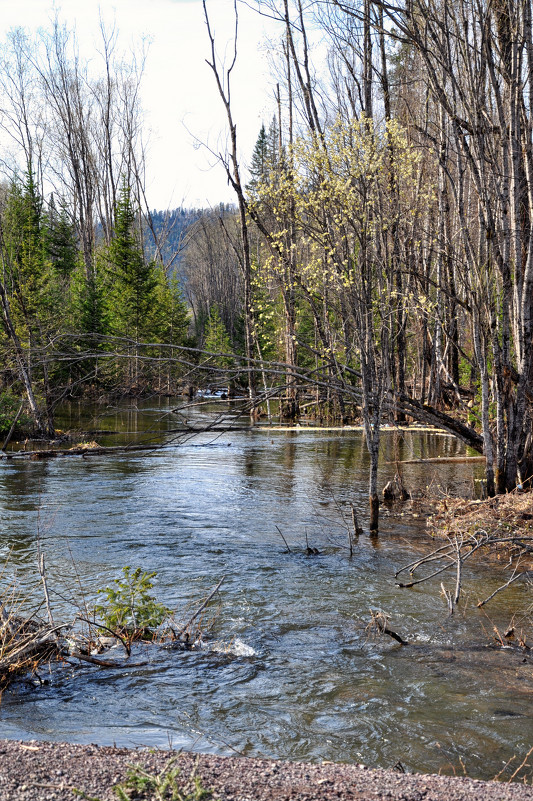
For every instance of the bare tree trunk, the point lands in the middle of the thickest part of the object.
(44, 427)
(234, 177)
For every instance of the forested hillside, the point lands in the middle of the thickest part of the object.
(165, 234)
(378, 262)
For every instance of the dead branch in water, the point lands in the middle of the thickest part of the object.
(27, 643)
(284, 540)
(461, 523)
(379, 621)
(526, 574)
(199, 611)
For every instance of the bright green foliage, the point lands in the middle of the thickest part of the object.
(26, 256)
(129, 605)
(166, 786)
(266, 317)
(217, 339)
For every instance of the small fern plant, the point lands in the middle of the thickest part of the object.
(129, 607)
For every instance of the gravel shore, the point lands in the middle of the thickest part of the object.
(38, 771)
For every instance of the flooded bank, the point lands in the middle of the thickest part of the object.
(292, 670)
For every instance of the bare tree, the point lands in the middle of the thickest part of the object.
(231, 165)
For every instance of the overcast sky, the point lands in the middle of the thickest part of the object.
(179, 94)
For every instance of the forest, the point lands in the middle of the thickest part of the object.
(377, 265)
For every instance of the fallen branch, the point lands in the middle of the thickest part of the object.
(504, 586)
(379, 620)
(200, 609)
(284, 540)
(111, 631)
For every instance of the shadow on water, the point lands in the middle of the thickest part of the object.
(293, 670)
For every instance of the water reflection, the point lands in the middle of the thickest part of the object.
(302, 676)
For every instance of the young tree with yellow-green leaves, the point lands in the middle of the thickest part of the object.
(337, 193)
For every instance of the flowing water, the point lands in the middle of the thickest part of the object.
(290, 670)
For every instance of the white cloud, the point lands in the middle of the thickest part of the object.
(179, 93)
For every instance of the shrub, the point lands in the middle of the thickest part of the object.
(129, 607)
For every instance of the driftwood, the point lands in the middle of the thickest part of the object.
(441, 459)
(25, 648)
(99, 450)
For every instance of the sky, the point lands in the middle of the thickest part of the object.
(183, 111)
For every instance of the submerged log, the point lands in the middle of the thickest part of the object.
(98, 450)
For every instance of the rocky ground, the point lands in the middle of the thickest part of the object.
(36, 771)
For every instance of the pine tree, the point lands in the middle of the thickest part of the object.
(27, 282)
(62, 241)
(217, 339)
(133, 278)
(260, 161)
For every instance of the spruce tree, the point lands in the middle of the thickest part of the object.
(33, 308)
(259, 166)
(133, 278)
(217, 339)
(62, 241)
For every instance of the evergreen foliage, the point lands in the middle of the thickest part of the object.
(217, 339)
(133, 279)
(62, 241)
(266, 157)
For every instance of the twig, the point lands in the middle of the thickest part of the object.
(425, 578)
(45, 587)
(448, 598)
(5, 620)
(380, 621)
(522, 764)
(504, 586)
(201, 608)
(102, 662)
(459, 571)
(412, 566)
(113, 633)
(11, 430)
(284, 540)
(28, 646)
(356, 530)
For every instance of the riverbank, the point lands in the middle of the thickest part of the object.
(502, 515)
(40, 771)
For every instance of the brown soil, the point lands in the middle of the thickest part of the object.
(35, 771)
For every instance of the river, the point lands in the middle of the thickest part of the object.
(291, 670)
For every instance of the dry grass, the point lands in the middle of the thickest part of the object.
(25, 645)
(508, 518)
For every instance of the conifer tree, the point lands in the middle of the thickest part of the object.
(134, 279)
(217, 339)
(28, 309)
(62, 241)
(260, 160)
